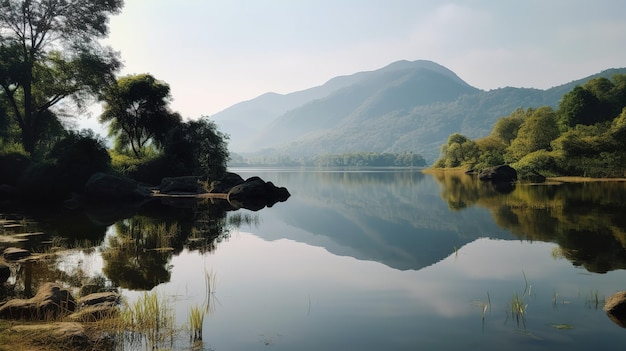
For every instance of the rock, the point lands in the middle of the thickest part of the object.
(5, 272)
(615, 308)
(95, 307)
(99, 299)
(50, 302)
(107, 187)
(225, 183)
(15, 253)
(498, 174)
(92, 314)
(72, 335)
(175, 185)
(255, 193)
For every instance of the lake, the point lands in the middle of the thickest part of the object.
(378, 259)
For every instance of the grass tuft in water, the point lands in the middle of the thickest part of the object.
(594, 301)
(196, 320)
(517, 305)
(149, 319)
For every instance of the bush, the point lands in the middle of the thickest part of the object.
(542, 161)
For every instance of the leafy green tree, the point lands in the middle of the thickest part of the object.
(492, 150)
(49, 51)
(506, 128)
(577, 107)
(459, 151)
(137, 109)
(535, 133)
(199, 148)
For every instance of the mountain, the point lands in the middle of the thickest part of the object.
(406, 106)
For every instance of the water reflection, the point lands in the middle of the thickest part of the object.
(585, 219)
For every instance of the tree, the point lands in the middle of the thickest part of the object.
(137, 108)
(458, 151)
(506, 127)
(535, 134)
(49, 51)
(199, 148)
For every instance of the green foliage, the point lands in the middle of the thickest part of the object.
(535, 133)
(506, 128)
(586, 136)
(598, 100)
(78, 156)
(66, 168)
(546, 161)
(197, 147)
(459, 151)
(371, 159)
(492, 150)
(50, 51)
(137, 109)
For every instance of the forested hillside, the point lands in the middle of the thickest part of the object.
(403, 107)
(584, 136)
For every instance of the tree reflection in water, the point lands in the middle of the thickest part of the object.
(585, 219)
(137, 257)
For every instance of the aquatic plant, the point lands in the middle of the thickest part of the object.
(149, 319)
(196, 320)
(517, 305)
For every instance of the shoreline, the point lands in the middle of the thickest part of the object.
(551, 180)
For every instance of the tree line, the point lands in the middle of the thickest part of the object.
(355, 159)
(370, 159)
(584, 136)
(52, 67)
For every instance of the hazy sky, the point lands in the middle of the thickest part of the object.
(214, 54)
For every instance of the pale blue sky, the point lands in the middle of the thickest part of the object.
(214, 54)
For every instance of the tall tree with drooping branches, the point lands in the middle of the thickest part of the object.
(50, 51)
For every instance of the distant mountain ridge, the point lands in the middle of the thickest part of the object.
(405, 106)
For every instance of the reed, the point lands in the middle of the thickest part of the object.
(517, 305)
(149, 319)
(196, 321)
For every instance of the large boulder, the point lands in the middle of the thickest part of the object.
(108, 187)
(499, 174)
(615, 308)
(225, 183)
(50, 302)
(97, 306)
(255, 193)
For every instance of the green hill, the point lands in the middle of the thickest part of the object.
(405, 106)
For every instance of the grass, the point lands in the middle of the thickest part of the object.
(198, 312)
(594, 301)
(517, 305)
(196, 320)
(150, 319)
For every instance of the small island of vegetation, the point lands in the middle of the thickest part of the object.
(584, 137)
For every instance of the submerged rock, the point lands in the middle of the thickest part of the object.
(615, 308)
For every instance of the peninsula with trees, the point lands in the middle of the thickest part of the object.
(585, 136)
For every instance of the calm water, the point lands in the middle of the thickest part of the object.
(388, 260)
